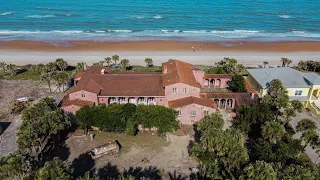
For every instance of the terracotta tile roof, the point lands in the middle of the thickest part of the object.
(244, 98)
(92, 70)
(78, 75)
(80, 103)
(122, 84)
(191, 100)
(130, 84)
(178, 72)
(218, 76)
(226, 95)
(240, 98)
(249, 88)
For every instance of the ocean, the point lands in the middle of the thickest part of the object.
(185, 20)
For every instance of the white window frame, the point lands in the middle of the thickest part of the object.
(206, 113)
(298, 93)
(151, 99)
(184, 91)
(113, 100)
(193, 113)
(83, 95)
(174, 90)
(179, 113)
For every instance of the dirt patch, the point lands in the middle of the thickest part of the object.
(144, 150)
(11, 90)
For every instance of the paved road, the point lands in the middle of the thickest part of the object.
(8, 138)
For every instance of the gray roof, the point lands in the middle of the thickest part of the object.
(290, 78)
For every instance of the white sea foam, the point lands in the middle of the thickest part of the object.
(123, 31)
(157, 17)
(138, 17)
(6, 13)
(40, 16)
(285, 16)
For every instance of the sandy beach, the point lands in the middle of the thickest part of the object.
(206, 53)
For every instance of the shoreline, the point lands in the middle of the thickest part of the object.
(137, 57)
(160, 45)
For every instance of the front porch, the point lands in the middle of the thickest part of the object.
(224, 103)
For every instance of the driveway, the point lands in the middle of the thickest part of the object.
(306, 115)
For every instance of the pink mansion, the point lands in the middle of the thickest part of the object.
(181, 86)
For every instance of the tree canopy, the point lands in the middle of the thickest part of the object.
(238, 84)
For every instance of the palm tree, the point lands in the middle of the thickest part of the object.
(124, 62)
(284, 61)
(80, 66)
(47, 77)
(259, 170)
(265, 63)
(149, 61)
(302, 65)
(289, 62)
(273, 131)
(11, 68)
(315, 65)
(108, 60)
(306, 125)
(308, 129)
(3, 66)
(311, 137)
(62, 64)
(115, 58)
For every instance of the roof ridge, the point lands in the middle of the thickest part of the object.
(95, 82)
(176, 64)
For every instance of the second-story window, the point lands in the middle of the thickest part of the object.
(184, 90)
(193, 113)
(206, 113)
(298, 93)
(83, 95)
(174, 90)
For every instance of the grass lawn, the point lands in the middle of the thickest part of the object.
(1, 75)
(143, 140)
(28, 75)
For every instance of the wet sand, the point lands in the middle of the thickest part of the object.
(128, 46)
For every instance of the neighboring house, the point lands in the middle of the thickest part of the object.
(179, 86)
(302, 86)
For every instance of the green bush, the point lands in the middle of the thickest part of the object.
(125, 118)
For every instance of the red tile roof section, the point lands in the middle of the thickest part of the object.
(80, 103)
(178, 72)
(121, 84)
(249, 88)
(130, 84)
(191, 100)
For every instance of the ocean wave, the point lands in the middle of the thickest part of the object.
(138, 17)
(233, 34)
(40, 16)
(157, 17)
(285, 16)
(6, 13)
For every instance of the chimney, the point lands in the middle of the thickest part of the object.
(103, 71)
(252, 96)
(85, 67)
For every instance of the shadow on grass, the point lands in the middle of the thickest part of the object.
(81, 165)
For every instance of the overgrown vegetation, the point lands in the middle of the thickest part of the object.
(238, 84)
(125, 118)
(259, 145)
(42, 124)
